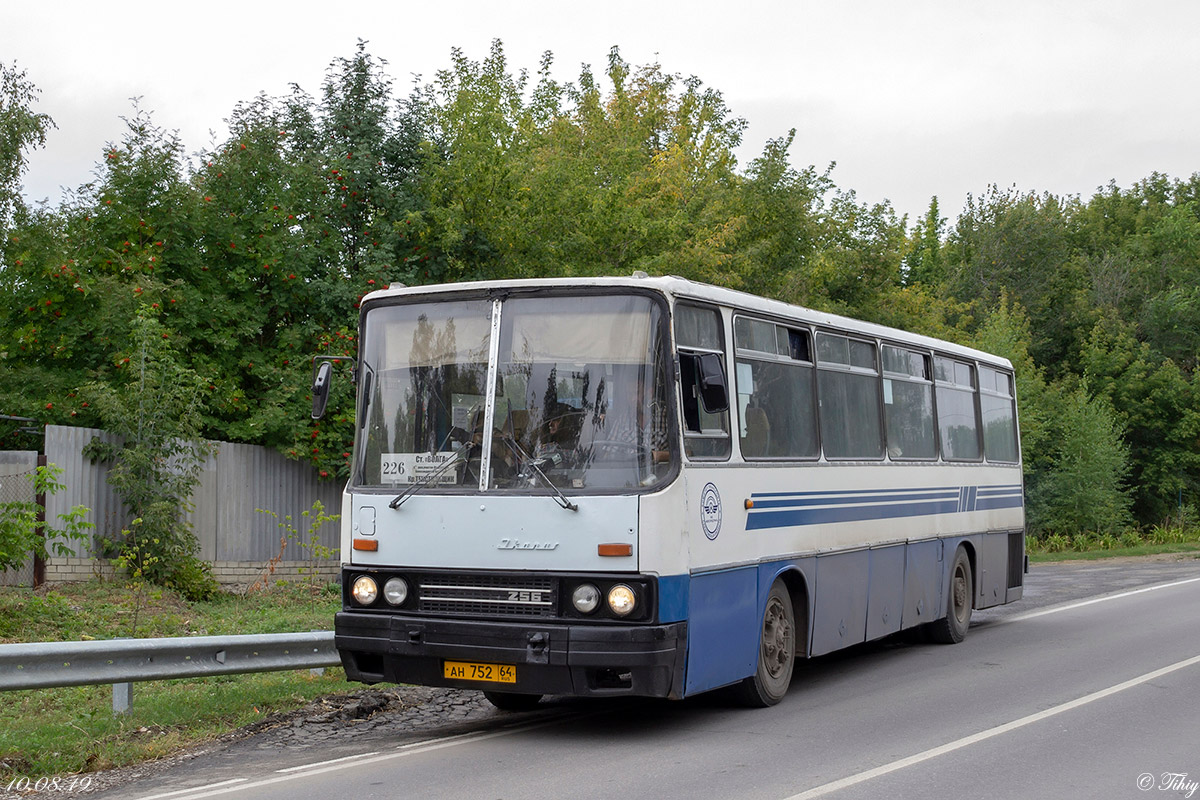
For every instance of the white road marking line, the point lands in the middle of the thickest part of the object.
(1072, 606)
(425, 742)
(862, 777)
(195, 789)
(323, 763)
(414, 748)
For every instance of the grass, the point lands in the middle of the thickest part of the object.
(1181, 537)
(56, 732)
(1043, 556)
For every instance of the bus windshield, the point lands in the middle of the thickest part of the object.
(580, 402)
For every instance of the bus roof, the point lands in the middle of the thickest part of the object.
(681, 288)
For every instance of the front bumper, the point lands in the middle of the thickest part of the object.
(585, 660)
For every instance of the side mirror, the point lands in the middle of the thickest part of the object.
(320, 388)
(714, 391)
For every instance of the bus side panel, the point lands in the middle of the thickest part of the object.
(723, 628)
(922, 583)
(992, 570)
(840, 612)
(887, 591)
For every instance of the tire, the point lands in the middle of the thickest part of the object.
(776, 653)
(510, 701)
(952, 628)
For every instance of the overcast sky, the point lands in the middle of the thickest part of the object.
(911, 99)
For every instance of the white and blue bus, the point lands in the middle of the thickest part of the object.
(655, 487)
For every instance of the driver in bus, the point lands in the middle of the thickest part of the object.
(558, 437)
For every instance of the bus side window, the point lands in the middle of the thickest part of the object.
(705, 405)
(848, 395)
(908, 404)
(775, 390)
(998, 405)
(957, 420)
(703, 382)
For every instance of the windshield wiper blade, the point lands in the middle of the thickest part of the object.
(559, 497)
(536, 464)
(459, 457)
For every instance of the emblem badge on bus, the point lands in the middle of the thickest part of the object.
(517, 544)
(710, 511)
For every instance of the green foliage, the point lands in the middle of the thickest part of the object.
(924, 261)
(1081, 488)
(21, 535)
(154, 411)
(1076, 460)
(576, 180)
(309, 541)
(65, 731)
(254, 256)
(1168, 538)
(20, 129)
(1159, 407)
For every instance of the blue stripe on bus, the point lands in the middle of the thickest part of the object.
(829, 501)
(673, 598)
(788, 509)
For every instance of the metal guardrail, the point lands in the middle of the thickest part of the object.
(41, 665)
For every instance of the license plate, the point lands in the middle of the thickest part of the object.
(470, 671)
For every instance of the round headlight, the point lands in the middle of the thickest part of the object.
(622, 600)
(585, 598)
(365, 590)
(395, 591)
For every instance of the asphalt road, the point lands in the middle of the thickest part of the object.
(1087, 688)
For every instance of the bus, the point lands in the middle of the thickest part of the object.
(656, 487)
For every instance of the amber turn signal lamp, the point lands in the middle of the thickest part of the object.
(749, 504)
(614, 549)
(366, 544)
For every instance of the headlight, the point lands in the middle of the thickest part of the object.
(622, 600)
(365, 590)
(395, 591)
(585, 598)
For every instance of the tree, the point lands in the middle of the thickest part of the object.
(858, 260)
(370, 161)
(924, 261)
(1020, 243)
(1159, 408)
(1074, 456)
(20, 129)
(156, 469)
(1083, 488)
(577, 180)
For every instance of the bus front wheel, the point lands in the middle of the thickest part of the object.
(776, 652)
(952, 628)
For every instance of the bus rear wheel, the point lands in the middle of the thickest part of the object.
(510, 701)
(952, 628)
(776, 652)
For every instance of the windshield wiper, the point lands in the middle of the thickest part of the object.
(527, 463)
(462, 455)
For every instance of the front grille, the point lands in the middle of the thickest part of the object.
(519, 596)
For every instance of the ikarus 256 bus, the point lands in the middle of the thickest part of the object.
(655, 487)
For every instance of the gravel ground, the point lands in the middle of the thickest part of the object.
(392, 712)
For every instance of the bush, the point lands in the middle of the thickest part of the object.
(1057, 543)
(158, 465)
(1079, 484)
(1131, 539)
(19, 535)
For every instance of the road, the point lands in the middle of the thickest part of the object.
(1086, 688)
